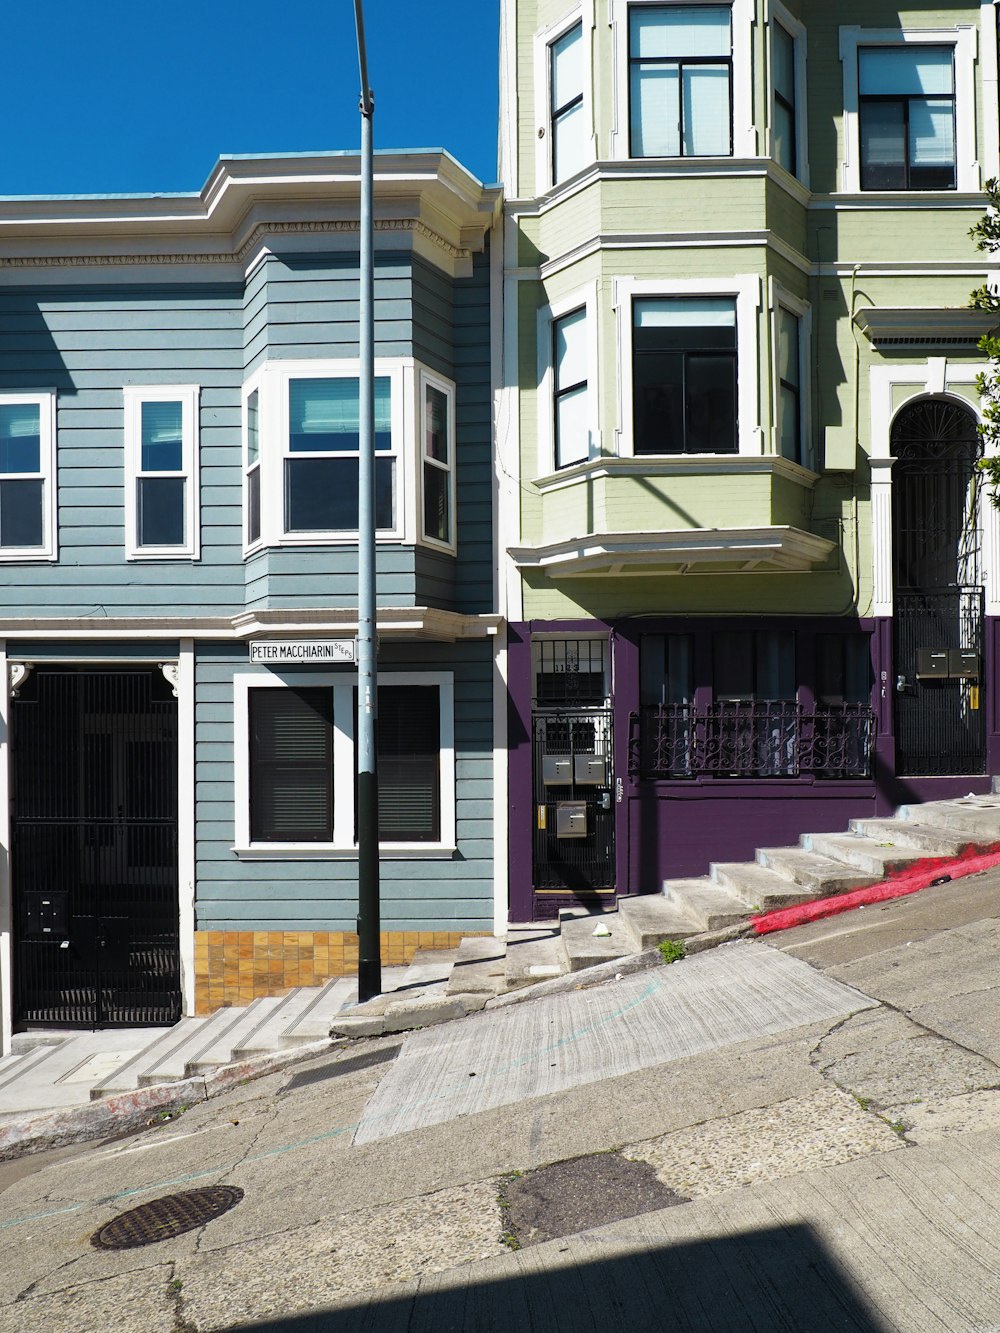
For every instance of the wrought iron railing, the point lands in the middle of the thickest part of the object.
(755, 739)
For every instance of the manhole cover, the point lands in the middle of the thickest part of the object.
(163, 1218)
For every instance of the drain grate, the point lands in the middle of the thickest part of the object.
(162, 1219)
(334, 1068)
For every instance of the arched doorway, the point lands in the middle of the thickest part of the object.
(937, 591)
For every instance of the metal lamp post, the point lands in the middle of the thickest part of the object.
(369, 955)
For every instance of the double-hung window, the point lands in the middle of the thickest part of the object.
(322, 454)
(571, 419)
(27, 477)
(684, 375)
(251, 485)
(297, 734)
(161, 472)
(680, 81)
(789, 386)
(566, 110)
(438, 462)
(906, 109)
(785, 100)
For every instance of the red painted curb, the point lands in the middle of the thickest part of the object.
(912, 880)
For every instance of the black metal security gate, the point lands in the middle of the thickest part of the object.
(94, 848)
(574, 826)
(938, 597)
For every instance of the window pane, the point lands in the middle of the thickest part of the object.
(572, 432)
(775, 653)
(843, 668)
(783, 61)
(21, 520)
(883, 146)
(409, 743)
(567, 67)
(568, 146)
(436, 424)
(710, 390)
(291, 765)
(733, 664)
(658, 401)
(788, 347)
(321, 494)
(253, 436)
(680, 30)
(323, 415)
(907, 70)
(685, 312)
(665, 668)
(160, 511)
(932, 134)
(437, 503)
(789, 442)
(570, 349)
(784, 137)
(20, 437)
(253, 506)
(162, 437)
(706, 111)
(655, 111)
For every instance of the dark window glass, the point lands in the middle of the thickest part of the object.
(21, 521)
(754, 665)
(684, 375)
(843, 668)
(666, 674)
(160, 511)
(409, 763)
(321, 494)
(437, 495)
(291, 765)
(253, 506)
(783, 65)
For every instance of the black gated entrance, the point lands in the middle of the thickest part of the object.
(94, 848)
(574, 834)
(938, 597)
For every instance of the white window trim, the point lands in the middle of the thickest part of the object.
(252, 385)
(797, 32)
(583, 14)
(427, 378)
(49, 549)
(746, 290)
(778, 296)
(583, 298)
(188, 396)
(343, 685)
(963, 37)
(744, 130)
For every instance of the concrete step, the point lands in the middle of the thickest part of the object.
(303, 1015)
(429, 970)
(710, 903)
(818, 875)
(582, 948)
(229, 1037)
(970, 814)
(479, 968)
(758, 887)
(862, 853)
(928, 838)
(651, 918)
(164, 1053)
(533, 954)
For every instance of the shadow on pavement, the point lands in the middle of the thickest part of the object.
(779, 1280)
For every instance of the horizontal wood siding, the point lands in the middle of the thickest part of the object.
(416, 894)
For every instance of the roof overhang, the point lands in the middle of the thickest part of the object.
(694, 551)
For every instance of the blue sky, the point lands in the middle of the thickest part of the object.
(124, 97)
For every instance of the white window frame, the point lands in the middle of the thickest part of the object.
(343, 685)
(745, 290)
(252, 386)
(428, 379)
(744, 130)
(964, 39)
(188, 396)
(797, 32)
(583, 298)
(46, 402)
(778, 297)
(544, 39)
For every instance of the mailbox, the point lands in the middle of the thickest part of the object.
(557, 770)
(932, 664)
(45, 915)
(590, 770)
(571, 819)
(963, 664)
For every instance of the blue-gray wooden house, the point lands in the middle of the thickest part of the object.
(178, 583)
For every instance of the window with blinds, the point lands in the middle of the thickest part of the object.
(680, 81)
(906, 107)
(409, 763)
(291, 765)
(161, 506)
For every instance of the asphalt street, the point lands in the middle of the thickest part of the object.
(806, 1138)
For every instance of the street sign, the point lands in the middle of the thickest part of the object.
(303, 652)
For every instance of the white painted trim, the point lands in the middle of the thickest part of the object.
(250, 386)
(968, 177)
(797, 32)
(425, 379)
(744, 130)
(584, 298)
(583, 14)
(343, 685)
(186, 817)
(189, 396)
(745, 288)
(802, 310)
(49, 549)
(937, 376)
(989, 147)
(508, 164)
(6, 899)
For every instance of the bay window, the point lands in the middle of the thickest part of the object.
(684, 375)
(680, 81)
(907, 117)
